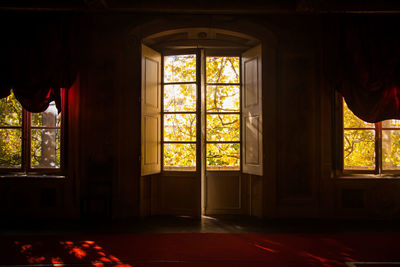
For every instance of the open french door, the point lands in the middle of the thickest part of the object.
(178, 189)
(165, 188)
(228, 191)
(150, 159)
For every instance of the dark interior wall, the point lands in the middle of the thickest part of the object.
(297, 119)
(98, 118)
(104, 143)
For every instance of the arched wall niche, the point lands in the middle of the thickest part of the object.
(224, 33)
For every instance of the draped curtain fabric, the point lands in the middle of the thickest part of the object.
(37, 60)
(363, 59)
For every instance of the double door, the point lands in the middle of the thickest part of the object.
(201, 129)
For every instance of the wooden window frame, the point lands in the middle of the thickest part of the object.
(215, 168)
(197, 112)
(26, 130)
(378, 171)
(201, 110)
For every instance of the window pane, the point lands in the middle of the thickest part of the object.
(45, 148)
(359, 149)
(10, 111)
(180, 68)
(391, 124)
(223, 156)
(49, 117)
(391, 149)
(224, 98)
(352, 121)
(222, 69)
(223, 127)
(180, 155)
(10, 148)
(179, 127)
(180, 97)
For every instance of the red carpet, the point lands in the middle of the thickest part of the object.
(203, 249)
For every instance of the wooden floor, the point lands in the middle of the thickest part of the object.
(207, 224)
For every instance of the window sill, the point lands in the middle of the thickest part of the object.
(21, 176)
(364, 176)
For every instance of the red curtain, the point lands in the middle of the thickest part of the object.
(38, 60)
(363, 59)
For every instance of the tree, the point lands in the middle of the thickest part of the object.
(10, 132)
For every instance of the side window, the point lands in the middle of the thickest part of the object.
(29, 142)
(370, 147)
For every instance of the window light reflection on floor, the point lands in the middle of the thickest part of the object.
(83, 250)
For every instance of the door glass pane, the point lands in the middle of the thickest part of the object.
(222, 69)
(10, 111)
(180, 155)
(10, 148)
(45, 148)
(223, 98)
(179, 127)
(223, 156)
(180, 68)
(223, 127)
(179, 97)
(359, 149)
(391, 149)
(49, 117)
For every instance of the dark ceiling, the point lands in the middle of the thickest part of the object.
(209, 6)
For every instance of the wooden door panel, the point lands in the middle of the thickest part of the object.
(152, 81)
(252, 158)
(252, 140)
(151, 137)
(251, 96)
(177, 195)
(151, 112)
(225, 193)
(224, 190)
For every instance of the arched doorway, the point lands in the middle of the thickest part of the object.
(202, 190)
